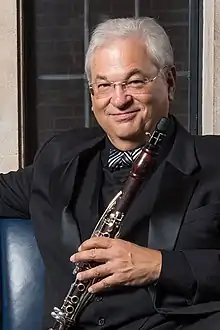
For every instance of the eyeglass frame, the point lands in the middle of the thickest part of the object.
(124, 83)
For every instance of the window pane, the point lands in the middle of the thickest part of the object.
(59, 66)
(175, 20)
(100, 10)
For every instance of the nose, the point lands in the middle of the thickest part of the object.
(120, 99)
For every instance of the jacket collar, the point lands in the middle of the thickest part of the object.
(182, 155)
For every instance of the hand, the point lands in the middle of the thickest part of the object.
(119, 263)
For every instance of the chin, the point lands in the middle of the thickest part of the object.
(131, 131)
(131, 136)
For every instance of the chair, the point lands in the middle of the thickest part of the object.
(22, 274)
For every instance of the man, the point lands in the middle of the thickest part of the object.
(164, 271)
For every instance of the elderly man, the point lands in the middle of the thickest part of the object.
(164, 270)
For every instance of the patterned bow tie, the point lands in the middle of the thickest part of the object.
(118, 159)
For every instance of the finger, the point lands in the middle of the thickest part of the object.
(95, 272)
(98, 255)
(105, 284)
(96, 242)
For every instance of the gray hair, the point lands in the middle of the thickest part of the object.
(146, 28)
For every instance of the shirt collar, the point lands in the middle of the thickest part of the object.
(164, 151)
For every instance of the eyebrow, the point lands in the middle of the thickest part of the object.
(101, 77)
(133, 72)
(128, 75)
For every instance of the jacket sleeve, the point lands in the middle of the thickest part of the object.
(188, 278)
(15, 189)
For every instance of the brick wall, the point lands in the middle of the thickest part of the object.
(59, 36)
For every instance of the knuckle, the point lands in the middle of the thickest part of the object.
(120, 278)
(108, 269)
(97, 273)
(93, 253)
(106, 285)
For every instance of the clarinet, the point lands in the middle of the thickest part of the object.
(109, 225)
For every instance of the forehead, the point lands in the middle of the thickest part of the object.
(117, 57)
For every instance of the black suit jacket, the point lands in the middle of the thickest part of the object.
(184, 224)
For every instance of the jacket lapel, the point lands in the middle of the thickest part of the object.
(63, 183)
(164, 199)
(64, 176)
(142, 205)
(176, 189)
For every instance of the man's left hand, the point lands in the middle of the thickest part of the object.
(119, 263)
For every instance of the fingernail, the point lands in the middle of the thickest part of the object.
(79, 249)
(72, 258)
(90, 289)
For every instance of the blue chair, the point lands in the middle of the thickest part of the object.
(22, 274)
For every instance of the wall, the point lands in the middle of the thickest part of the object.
(8, 87)
(211, 67)
(8, 78)
(216, 126)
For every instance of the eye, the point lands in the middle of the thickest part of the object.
(103, 86)
(137, 83)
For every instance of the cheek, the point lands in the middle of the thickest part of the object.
(99, 110)
(155, 105)
(97, 106)
(159, 99)
(147, 102)
(161, 92)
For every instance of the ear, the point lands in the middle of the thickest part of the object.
(91, 99)
(171, 82)
(91, 91)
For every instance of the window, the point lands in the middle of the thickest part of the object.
(56, 36)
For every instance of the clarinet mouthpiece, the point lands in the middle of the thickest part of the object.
(163, 124)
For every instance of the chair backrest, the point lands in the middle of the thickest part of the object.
(22, 274)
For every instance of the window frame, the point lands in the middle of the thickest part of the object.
(28, 84)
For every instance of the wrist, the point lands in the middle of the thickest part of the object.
(156, 271)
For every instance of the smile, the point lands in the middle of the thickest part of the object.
(124, 116)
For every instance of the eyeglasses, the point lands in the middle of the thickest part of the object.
(132, 86)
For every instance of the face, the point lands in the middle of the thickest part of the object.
(124, 115)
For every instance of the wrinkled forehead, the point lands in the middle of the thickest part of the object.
(116, 58)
